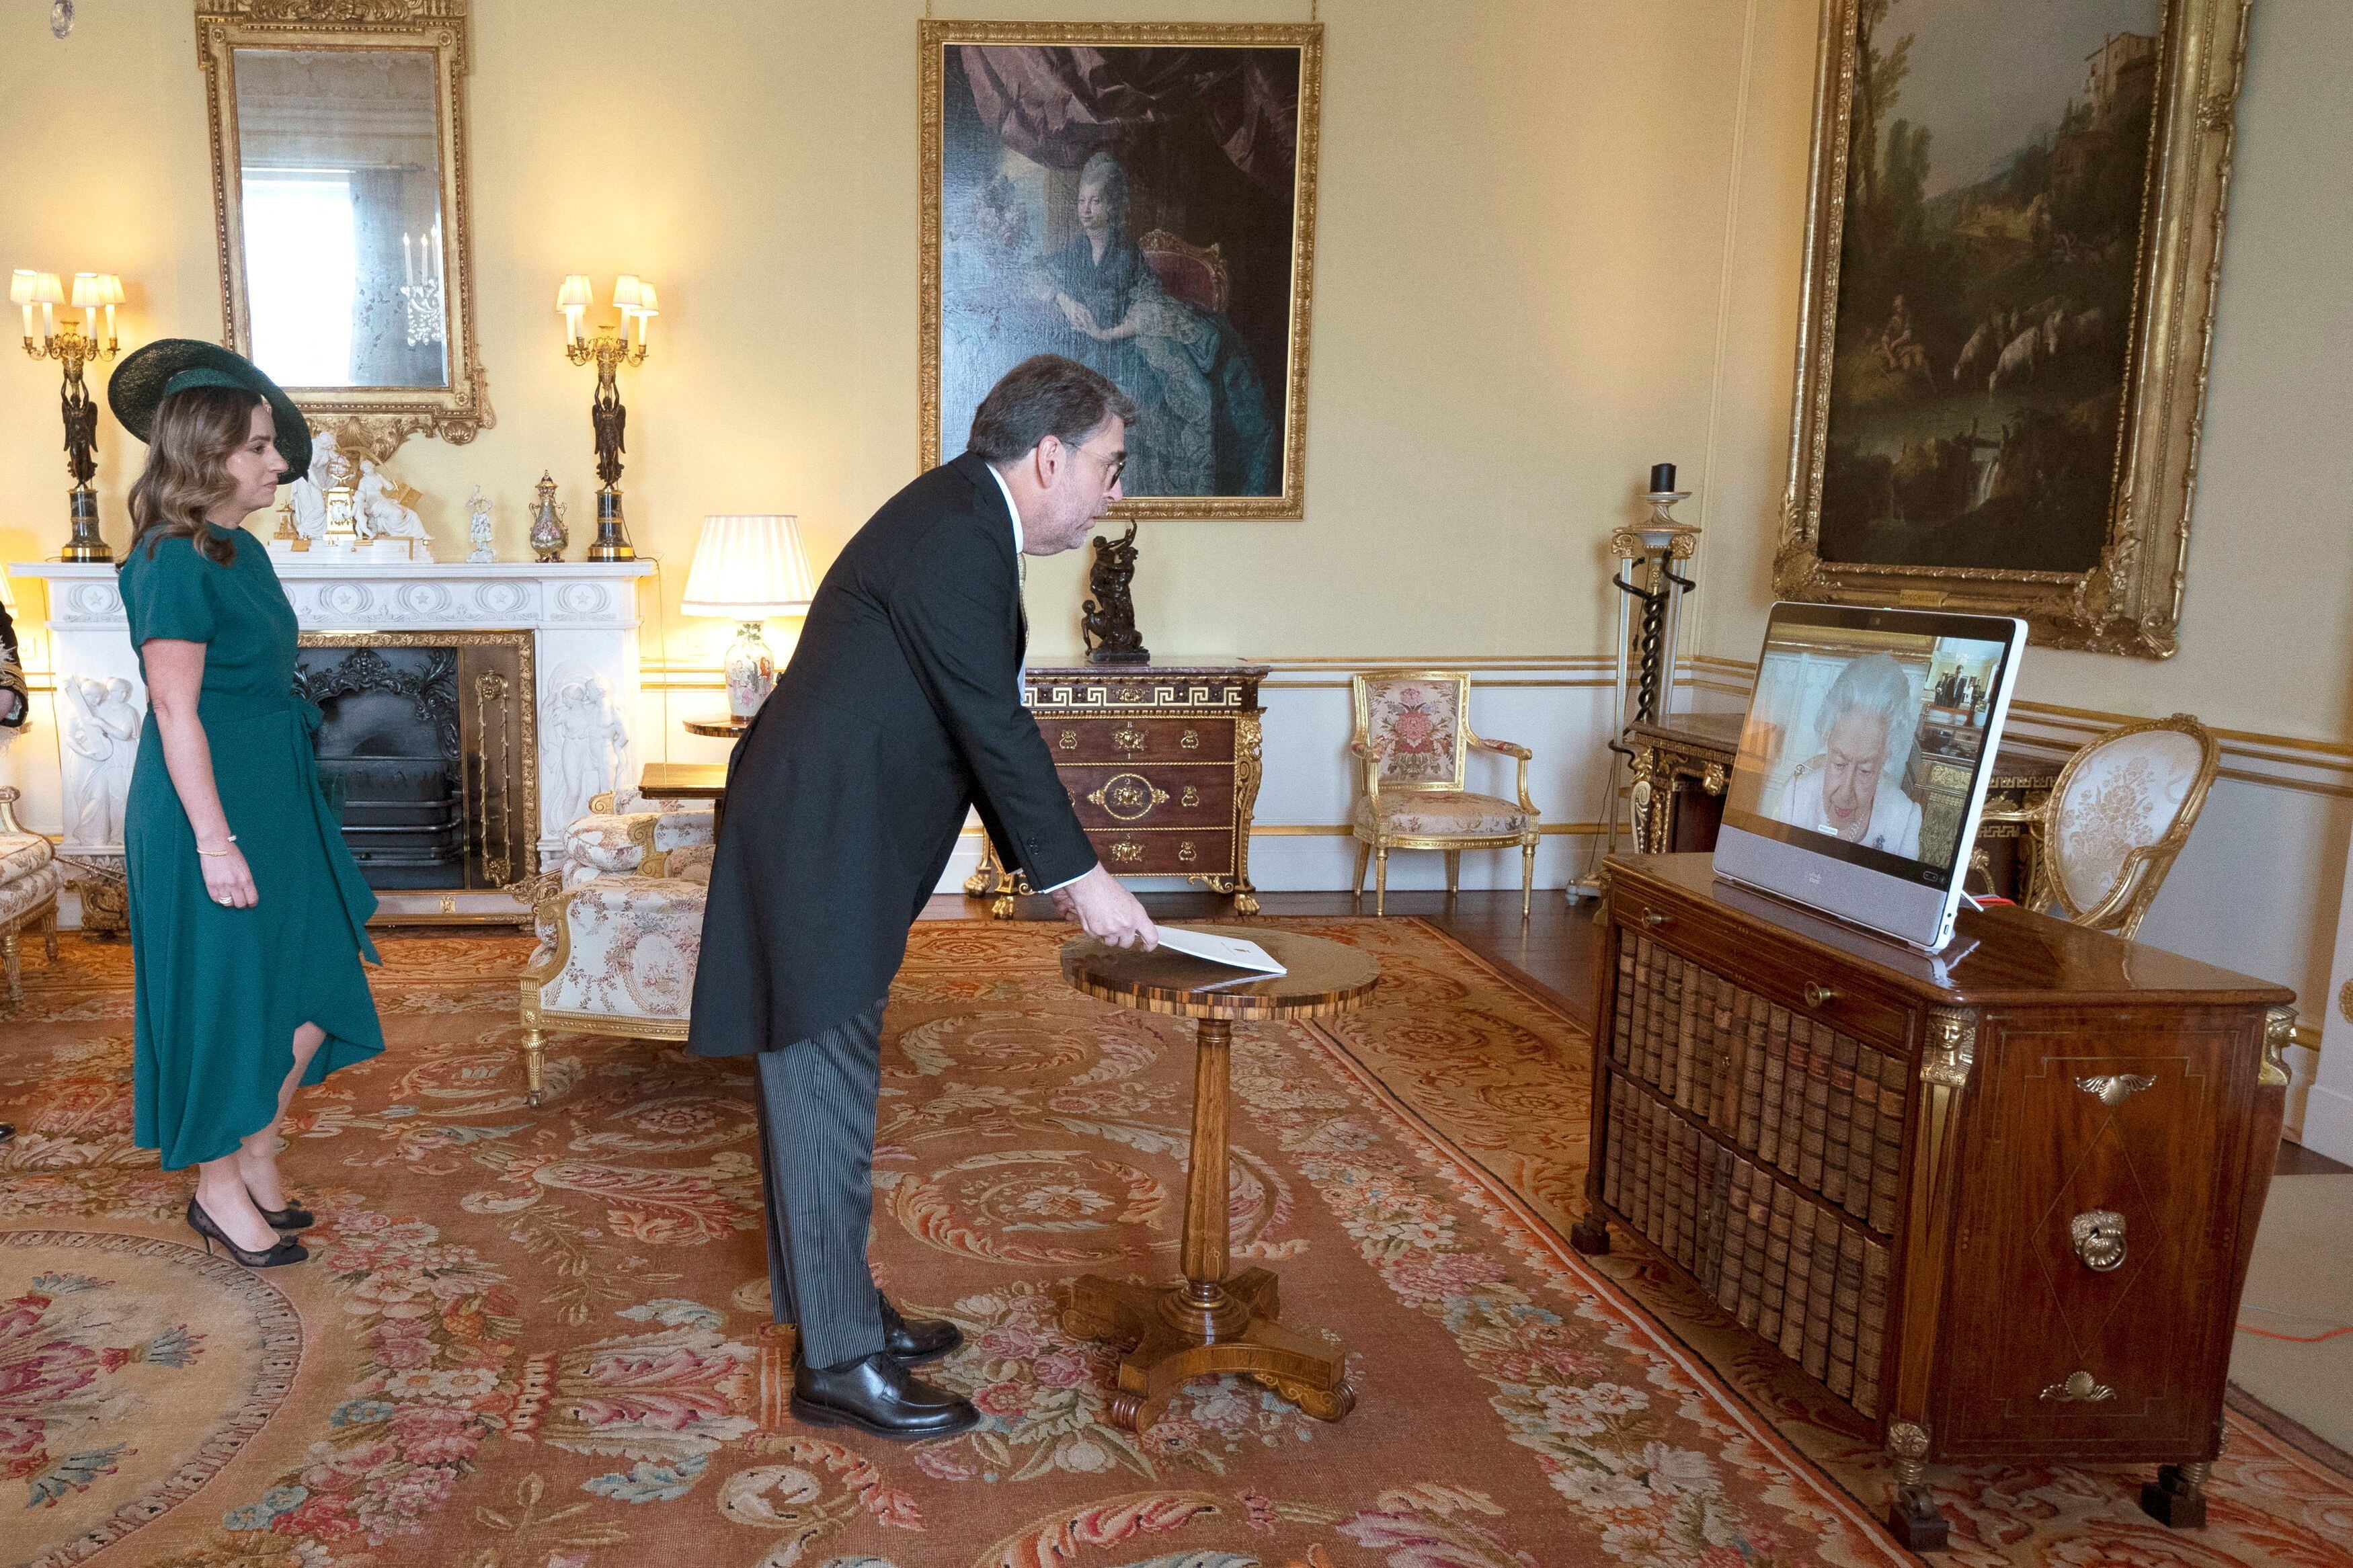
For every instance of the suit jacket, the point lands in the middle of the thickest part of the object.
(900, 711)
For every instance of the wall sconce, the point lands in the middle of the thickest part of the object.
(633, 297)
(73, 347)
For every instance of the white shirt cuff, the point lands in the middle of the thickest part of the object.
(1059, 886)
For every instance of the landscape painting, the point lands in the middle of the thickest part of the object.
(1140, 199)
(1972, 428)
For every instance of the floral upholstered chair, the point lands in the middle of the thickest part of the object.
(620, 925)
(29, 879)
(2117, 816)
(1413, 737)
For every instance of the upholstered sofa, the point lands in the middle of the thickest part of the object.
(621, 924)
(29, 879)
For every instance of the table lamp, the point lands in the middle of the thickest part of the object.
(746, 568)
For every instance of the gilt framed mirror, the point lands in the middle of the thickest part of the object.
(339, 187)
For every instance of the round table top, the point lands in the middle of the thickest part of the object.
(1325, 977)
(719, 729)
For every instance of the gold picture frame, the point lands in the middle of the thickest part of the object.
(368, 421)
(1286, 500)
(2127, 601)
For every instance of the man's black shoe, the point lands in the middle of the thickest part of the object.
(920, 1338)
(876, 1394)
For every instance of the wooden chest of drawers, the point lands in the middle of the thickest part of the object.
(1998, 1201)
(1162, 764)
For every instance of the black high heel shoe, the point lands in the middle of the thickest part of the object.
(204, 1225)
(293, 1217)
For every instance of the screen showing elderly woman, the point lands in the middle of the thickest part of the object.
(1866, 743)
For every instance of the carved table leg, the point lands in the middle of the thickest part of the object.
(1911, 1516)
(534, 1061)
(1591, 1234)
(1207, 1323)
(11, 960)
(2178, 1497)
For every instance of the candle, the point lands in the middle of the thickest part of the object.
(1662, 478)
(49, 321)
(28, 321)
(110, 322)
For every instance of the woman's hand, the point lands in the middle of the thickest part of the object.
(228, 880)
(1081, 317)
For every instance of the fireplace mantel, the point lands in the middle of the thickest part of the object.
(583, 621)
(399, 595)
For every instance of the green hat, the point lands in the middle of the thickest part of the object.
(174, 364)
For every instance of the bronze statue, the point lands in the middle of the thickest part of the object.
(81, 432)
(609, 418)
(1108, 625)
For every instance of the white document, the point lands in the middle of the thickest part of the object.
(1226, 949)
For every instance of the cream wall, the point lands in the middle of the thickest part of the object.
(1515, 294)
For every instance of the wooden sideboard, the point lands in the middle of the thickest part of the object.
(1998, 1201)
(1681, 766)
(1162, 764)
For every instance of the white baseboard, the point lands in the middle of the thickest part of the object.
(2328, 1123)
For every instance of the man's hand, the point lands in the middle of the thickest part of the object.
(1107, 911)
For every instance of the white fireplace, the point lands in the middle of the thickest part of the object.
(580, 618)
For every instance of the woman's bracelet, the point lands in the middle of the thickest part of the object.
(202, 850)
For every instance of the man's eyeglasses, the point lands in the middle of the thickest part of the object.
(1112, 467)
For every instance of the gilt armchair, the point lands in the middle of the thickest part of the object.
(619, 918)
(2115, 818)
(29, 878)
(1412, 742)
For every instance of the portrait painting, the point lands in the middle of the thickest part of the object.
(2006, 309)
(1141, 199)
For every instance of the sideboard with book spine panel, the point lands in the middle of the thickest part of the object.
(1999, 1201)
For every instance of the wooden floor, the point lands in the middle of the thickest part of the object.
(1552, 949)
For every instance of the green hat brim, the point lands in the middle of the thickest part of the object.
(148, 375)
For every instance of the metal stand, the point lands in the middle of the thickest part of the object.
(1644, 681)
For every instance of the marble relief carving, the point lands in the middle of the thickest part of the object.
(101, 740)
(586, 742)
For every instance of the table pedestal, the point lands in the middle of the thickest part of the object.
(1206, 1323)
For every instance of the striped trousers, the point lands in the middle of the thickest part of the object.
(817, 1153)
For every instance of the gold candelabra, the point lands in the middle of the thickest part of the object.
(73, 347)
(608, 351)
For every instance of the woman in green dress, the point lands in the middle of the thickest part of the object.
(248, 915)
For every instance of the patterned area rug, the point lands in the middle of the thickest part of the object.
(533, 1338)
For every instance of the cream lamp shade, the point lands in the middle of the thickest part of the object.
(628, 293)
(576, 294)
(21, 284)
(748, 568)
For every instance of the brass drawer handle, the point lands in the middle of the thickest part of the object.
(1655, 918)
(2079, 1387)
(2099, 1237)
(2114, 1088)
(1070, 740)
(1818, 994)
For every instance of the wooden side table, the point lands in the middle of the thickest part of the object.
(728, 729)
(1206, 1323)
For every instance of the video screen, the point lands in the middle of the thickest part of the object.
(1864, 742)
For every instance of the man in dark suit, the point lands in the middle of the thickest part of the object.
(900, 711)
